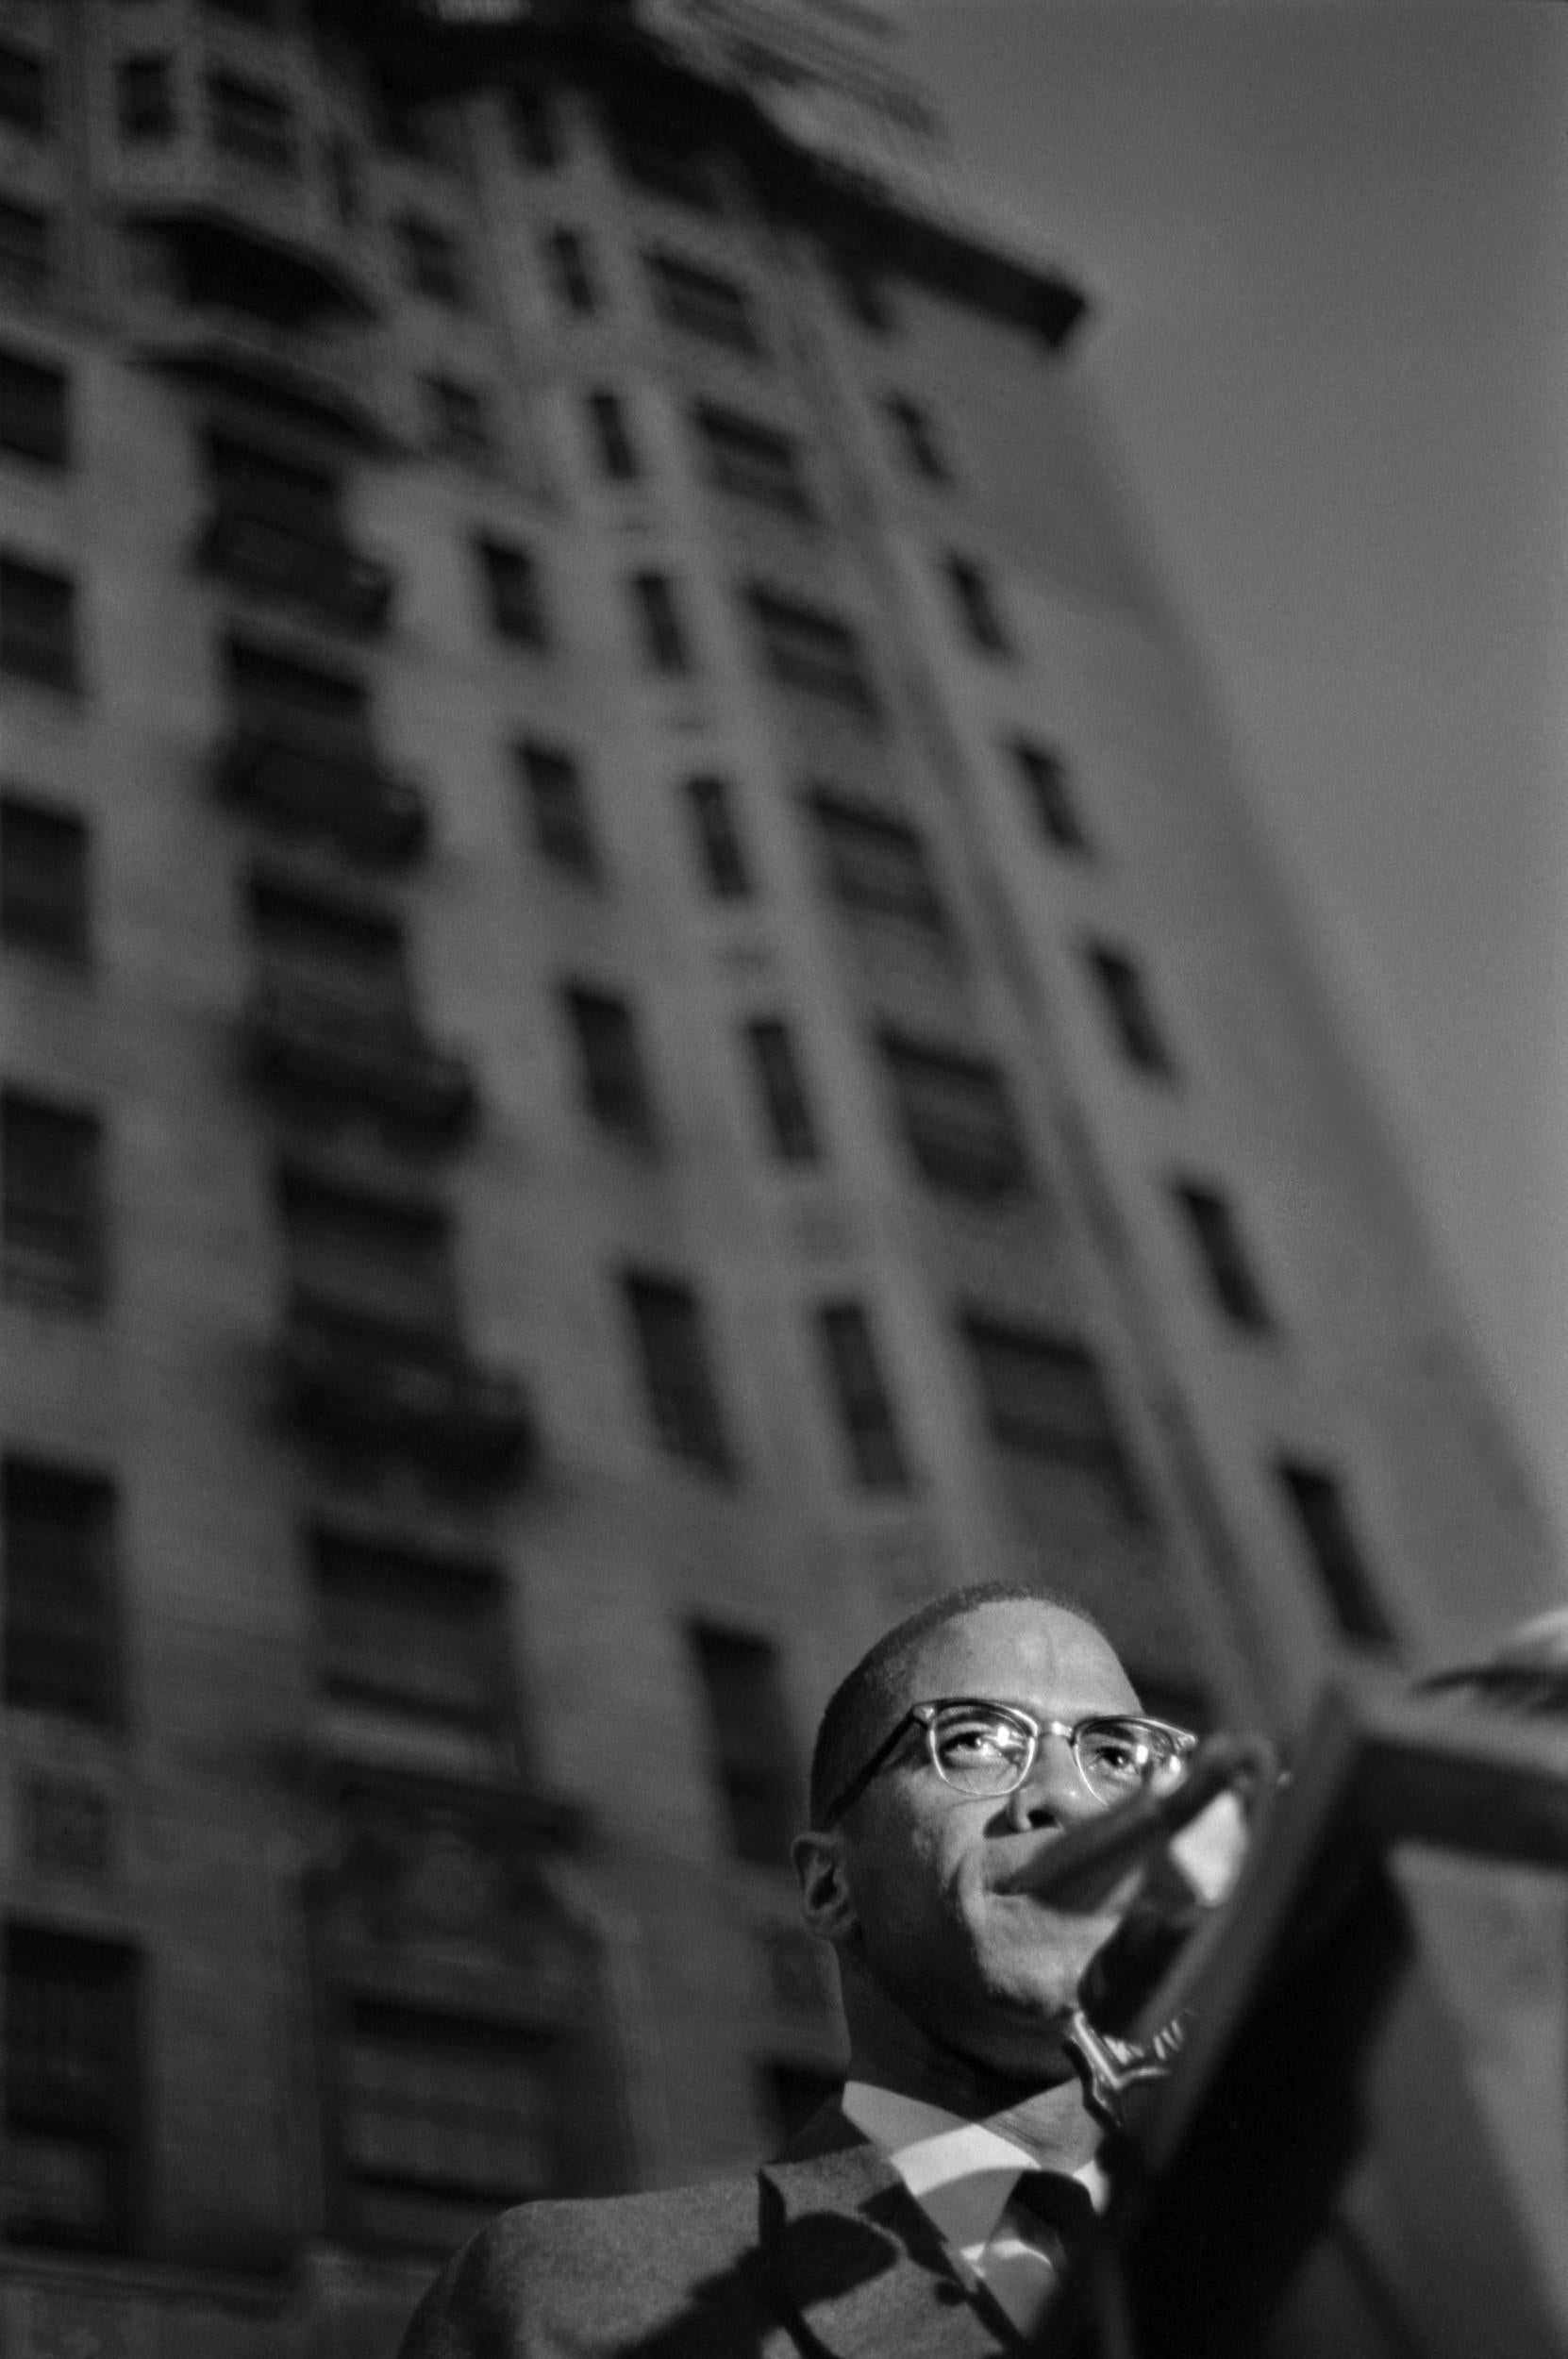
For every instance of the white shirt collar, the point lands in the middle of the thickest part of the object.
(960, 2173)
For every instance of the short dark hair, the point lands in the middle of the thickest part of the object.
(853, 1720)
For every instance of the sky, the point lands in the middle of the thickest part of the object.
(1329, 250)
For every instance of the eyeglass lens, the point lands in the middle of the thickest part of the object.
(982, 1753)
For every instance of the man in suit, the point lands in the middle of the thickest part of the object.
(923, 2212)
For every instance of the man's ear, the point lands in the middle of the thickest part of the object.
(824, 1896)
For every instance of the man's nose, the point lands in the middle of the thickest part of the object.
(1053, 1794)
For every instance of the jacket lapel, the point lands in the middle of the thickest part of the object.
(854, 2264)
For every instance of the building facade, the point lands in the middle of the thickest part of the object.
(639, 1029)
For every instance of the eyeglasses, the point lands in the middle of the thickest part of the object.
(985, 1750)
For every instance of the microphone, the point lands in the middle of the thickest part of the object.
(1082, 1867)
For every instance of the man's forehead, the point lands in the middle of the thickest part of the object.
(1022, 1650)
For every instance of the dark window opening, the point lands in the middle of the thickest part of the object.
(557, 802)
(1124, 996)
(446, 2120)
(71, 2093)
(27, 251)
(664, 155)
(570, 270)
(702, 303)
(660, 628)
(263, 482)
(1213, 1228)
(431, 266)
(144, 99)
(724, 868)
(1046, 782)
(668, 1326)
(957, 1117)
(413, 1643)
(535, 128)
(366, 1258)
(405, 122)
(617, 452)
(861, 1397)
(781, 1092)
(977, 604)
(1042, 1394)
(331, 951)
(875, 861)
(457, 421)
(51, 1214)
(808, 649)
(614, 1085)
(44, 903)
(916, 439)
(24, 91)
(748, 1730)
(1322, 1518)
(38, 623)
(62, 1625)
(754, 462)
(253, 121)
(279, 693)
(513, 593)
(34, 414)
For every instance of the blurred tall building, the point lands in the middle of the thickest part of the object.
(640, 1028)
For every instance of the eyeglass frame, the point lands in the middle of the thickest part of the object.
(924, 1715)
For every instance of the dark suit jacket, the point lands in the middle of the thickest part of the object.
(822, 2254)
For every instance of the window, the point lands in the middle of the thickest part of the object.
(864, 292)
(557, 807)
(781, 1092)
(38, 623)
(24, 91)
(749, 1734)
(617, 453)
(405, 122)
(865, 1410)
(704, 304)
(42, 878)
(373, 1260)
(1044, 775)
(51, 1224)
(430, 261)
(667, 1324)
(1042, 1394)
(614, 1089)
(1125, 998)
(512, 592)
(723, 863)
(1212, 1227)
(976, 605)
(915, 437)
(334, 953)
(805, 649)
(253, 121)
(664, 155)
(144, 99)
(875, 861)
(957, 1118)
(1322, 1518)
(71, 2097)
(34, 420)
(753, 460)
(535, 128)
(446, 2120)
(413, 1646)
(27, 251)
(277, 692)
(658, 625)
(62, 1625)
(264, 483)
(457, 421)
(570, 270)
